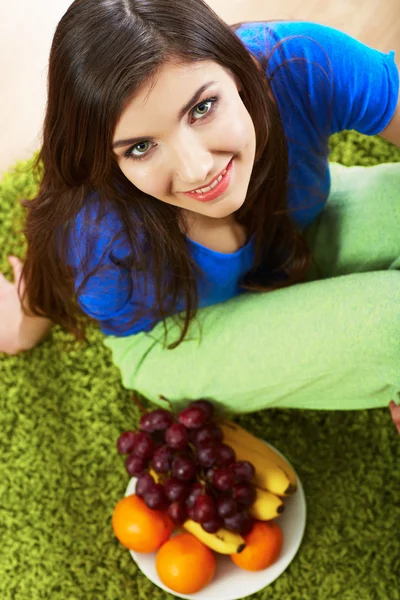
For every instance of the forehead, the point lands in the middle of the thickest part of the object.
(172, 87)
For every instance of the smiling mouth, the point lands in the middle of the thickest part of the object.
(210, 186)
(217, 188)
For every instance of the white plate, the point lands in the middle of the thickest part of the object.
(231, 582)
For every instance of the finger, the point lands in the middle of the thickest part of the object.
(395, 414)
(16, 265)
(395, 411)
(396, 417)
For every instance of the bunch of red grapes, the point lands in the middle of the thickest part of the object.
(199, 476)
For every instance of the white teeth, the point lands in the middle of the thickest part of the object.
(212, 186)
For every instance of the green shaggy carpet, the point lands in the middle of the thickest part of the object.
(62, 409)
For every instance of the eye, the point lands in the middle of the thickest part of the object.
(129, 153)
(209, 104)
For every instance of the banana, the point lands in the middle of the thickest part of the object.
(273, 473)
(223, 541)
(234, 432)
(266, 506)
(268, 476)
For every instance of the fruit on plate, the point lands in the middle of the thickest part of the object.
(268, 475)
(184, 564)
(221, 540)
(263, 547)
(138, 527)
(213, 478)
(245, 443)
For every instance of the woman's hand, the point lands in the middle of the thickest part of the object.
(18, 332)
(10, 309)
(395, 412)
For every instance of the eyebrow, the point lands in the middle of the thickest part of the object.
(181, 114)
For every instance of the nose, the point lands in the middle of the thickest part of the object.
(192, 163)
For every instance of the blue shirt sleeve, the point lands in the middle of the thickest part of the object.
(344, 82)
(105, 295)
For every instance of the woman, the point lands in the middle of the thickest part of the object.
(185, 172)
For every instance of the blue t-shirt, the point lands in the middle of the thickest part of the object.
(324, 81)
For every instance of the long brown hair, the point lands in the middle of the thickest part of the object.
(102, 53)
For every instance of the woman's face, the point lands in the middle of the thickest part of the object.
(176, 151)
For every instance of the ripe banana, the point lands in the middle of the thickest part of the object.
(266, 506)
(268, 476)
(273, 473)
(223, 541)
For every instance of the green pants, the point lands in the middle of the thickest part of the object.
(330, 343)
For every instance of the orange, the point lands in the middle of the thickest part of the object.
(139, 527)
(184, 564)
(263, 546)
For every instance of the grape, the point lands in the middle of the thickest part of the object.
(243, 471)
(190, 512)
(208, 433)
(126, 442)
(162, 459)
(161, 419)
(223, 479)
(183, 467)
(178, 512)
(207, 454)
(240, 523)
(135, 465)
(176, 436)
(213, 525)
(226, 507)
(144, 445)
(204, 508)
(146, 423)
(206, 405)
(155, 497)
(195, 491)
(175, 489)
(244, 493)
(143, 484)
(226, 455)
(192, 417)
(156, 420)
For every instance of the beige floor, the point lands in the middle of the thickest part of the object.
(26, 30)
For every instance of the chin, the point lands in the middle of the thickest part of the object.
(228, 208)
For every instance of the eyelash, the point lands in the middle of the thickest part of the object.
(214, 101)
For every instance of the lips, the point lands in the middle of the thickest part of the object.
(205, 188)
(219, 185)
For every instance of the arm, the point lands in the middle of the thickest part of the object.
(333, 75)
(392, 131)
(18, 331)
